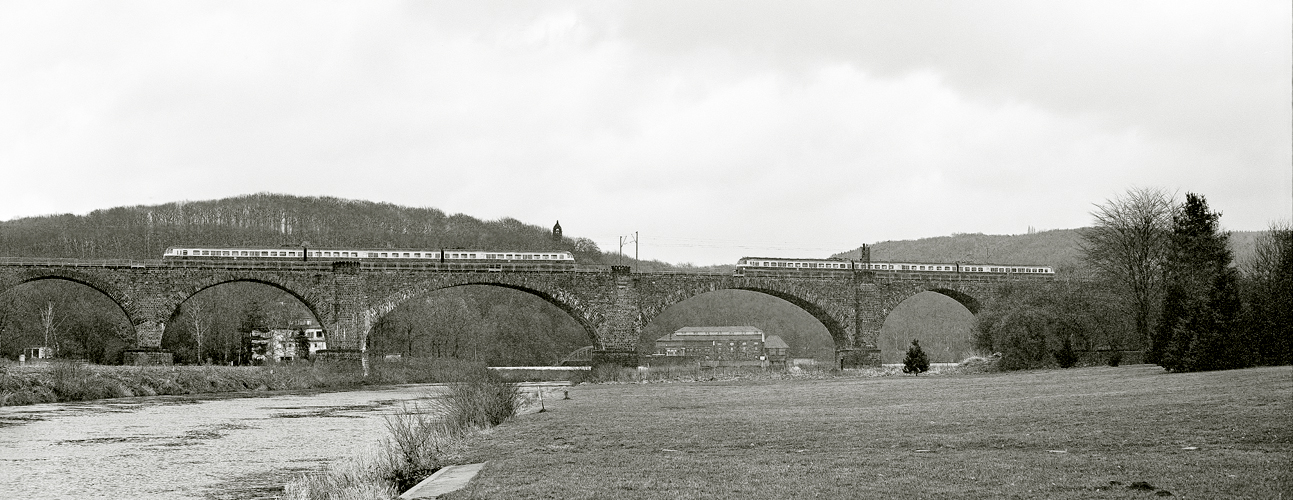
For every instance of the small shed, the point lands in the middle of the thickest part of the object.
(776, 350)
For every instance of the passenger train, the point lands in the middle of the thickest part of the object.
(560, 258)
(765, 265)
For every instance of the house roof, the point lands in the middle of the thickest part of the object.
(775, 342)
(703, 333)
(716, 330)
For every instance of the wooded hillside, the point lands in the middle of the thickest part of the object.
(1060, 248)
(144, 232)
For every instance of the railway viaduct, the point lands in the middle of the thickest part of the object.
(613, 305)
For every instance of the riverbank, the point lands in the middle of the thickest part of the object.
(70, 381)
(1115, 432)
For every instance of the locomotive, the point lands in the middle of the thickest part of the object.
(748, 266)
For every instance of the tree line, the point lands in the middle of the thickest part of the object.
(1159, 276)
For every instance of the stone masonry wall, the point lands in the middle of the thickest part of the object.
(348, 297)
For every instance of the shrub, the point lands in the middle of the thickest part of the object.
(1065, 356)
(350, 479)
(916, 360)
(416, 447)
(1020, 336)
(483, 402)
(1115, 358)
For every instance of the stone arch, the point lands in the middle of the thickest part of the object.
(590, 319)
(124, 302)
(966, 296)
(835, 316)
(301, 292)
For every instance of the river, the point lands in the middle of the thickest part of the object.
(207, 447)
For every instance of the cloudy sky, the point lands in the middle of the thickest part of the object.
(714, 129)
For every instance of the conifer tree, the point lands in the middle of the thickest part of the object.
(916, 360)
(1200, 323)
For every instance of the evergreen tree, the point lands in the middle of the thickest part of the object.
(1065, 355)
(1200, 323)
(916, 360)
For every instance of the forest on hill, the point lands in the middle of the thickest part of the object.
(144, 232)
(1059, 248)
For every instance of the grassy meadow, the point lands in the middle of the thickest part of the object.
(1098, 432)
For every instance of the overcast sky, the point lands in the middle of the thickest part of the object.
(714, 129)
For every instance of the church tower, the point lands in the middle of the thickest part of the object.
(556, 232)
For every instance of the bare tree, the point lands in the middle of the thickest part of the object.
(49, 326)
(1268, 250)
(1269, 290)
(198, 329)
(1128, 245)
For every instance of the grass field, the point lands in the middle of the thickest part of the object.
(1100, 432)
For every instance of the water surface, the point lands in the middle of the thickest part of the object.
(215, 447)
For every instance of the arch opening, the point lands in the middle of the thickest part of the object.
(803, 327)
(493, 323)
(73, 318)
(970, 303)
(943, 325)
(243, 322)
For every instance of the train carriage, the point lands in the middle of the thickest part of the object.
(757, 266)
(485, 259)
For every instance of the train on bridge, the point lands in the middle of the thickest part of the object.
(497, 260)
(558, 259)
(772, 266)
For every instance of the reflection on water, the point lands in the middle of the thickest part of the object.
(170, 447)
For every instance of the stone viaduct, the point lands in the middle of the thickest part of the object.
(612, 304)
